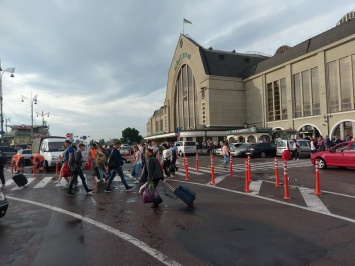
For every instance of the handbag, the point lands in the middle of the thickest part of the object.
(65, 170)
(150, 194)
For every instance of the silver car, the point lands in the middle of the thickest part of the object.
(303, 151)
(240, 150)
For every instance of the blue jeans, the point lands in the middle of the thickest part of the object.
(137, 170)
(225, 159)
(119, 171)
(74, 180)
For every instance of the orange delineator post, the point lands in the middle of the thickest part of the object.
(247, 189)
(249, 169)
(230, 166)
(197, 162)
(277, 178)
(317, 191)
(185, 160)
(57, 167)
(213, 182)
(187, 170)
(287, 194)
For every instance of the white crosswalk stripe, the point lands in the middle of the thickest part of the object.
(43, 182)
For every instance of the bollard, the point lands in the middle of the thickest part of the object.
(187, 170)
(196, 162)
(317, 192)
(212, 171)
(56, 167)
(247, 189)
(230, 166)
(287, 194)
(277, 178)
(249, 169)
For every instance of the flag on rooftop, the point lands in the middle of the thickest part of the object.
(186, 21)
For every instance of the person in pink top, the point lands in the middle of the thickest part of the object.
(225, 153)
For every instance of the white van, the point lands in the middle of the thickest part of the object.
(187, 147)
(303, 151)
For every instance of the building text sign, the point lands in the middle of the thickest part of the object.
(181, 56)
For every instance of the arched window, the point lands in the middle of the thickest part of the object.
(186, 100)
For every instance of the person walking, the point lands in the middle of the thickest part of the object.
(166, 159)
(313, 147)
(295, 148)
(225, 153)
(321, 145)
(174, 156)
(137, 164)
(76, 165)
(152, 173)
(3, 161)
(115, 165)
(68, 155)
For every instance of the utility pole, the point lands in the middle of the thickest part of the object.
(7, 120)
(43, 115)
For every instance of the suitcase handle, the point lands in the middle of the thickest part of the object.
(169, 186)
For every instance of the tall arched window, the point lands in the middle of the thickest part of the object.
(186, 100)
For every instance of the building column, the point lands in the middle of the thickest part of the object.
(341, 127)
(353, 126)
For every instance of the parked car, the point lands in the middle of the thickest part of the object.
(303, 151)
(262, 149)
(124, 150)
(240, 150)
(342, 155)
(187, 147)
(9, 151)
(231, 146)
(27, 153)
(3, 204)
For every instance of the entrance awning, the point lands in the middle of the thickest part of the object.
(162, 136)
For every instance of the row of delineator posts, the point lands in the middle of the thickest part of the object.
(248, 173)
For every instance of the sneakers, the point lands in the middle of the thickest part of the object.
(89, 191)
(70, 193)
(129, 188)
(107, 190)
(136, 182)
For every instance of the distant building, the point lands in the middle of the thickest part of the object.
(305, 90)
(20, 135)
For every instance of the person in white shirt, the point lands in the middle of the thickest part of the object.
(137, 163)
(166, 159)
(295, 147)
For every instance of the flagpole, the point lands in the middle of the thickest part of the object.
(183, 27)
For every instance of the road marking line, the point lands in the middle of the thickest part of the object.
(30, 179)
(269, 199)
(255, 187)
(130, 239)
(9, 182)
(44, 182)
(217, 180)
(339, 194)
(61, 183)
(194, 171)
(313, 202)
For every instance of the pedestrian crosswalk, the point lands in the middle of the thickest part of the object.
(40, 182)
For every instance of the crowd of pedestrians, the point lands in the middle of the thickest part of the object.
(107, 163)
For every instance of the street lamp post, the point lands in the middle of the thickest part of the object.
(43, 115)
(12, 71)
(327, 117)
(32, 100)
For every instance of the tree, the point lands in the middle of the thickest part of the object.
(131, 136)
(102, 142)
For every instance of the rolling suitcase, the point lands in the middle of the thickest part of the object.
(184, 193)
(20, 180)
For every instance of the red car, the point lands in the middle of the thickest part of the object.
(342, 154)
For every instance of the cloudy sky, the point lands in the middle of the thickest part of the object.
(100, 66)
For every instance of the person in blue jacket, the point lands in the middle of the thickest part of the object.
(115, 163)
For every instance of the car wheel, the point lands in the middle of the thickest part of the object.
(321, 163)
(262, 154)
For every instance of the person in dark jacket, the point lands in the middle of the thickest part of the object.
(2, 165)
(152, 172)
(76, 165)
(115, 164)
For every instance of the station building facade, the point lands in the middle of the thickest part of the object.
(305, 90)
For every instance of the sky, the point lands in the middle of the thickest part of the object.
(98, 67)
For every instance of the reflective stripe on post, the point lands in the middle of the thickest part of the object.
(230, 166)
(249, 169)
(213, 182)
(277, 178)
(197, 162)
(317, 191)
(247, 190)
(287, 194)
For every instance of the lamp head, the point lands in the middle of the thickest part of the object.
(12, 76)
(22, 100)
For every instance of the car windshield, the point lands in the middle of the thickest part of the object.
(190, 143)
(281, 144)
(26, 152)
(55, 146)
(124, 148)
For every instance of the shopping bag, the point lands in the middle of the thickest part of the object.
(150, 194)
(66, 170)
(142, 188)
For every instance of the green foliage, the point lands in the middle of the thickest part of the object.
(102, 142)
(131, 136)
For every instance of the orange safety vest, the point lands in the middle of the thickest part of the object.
(16, 159)
(39, 156)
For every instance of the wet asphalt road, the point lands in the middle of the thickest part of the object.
(223, 228)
